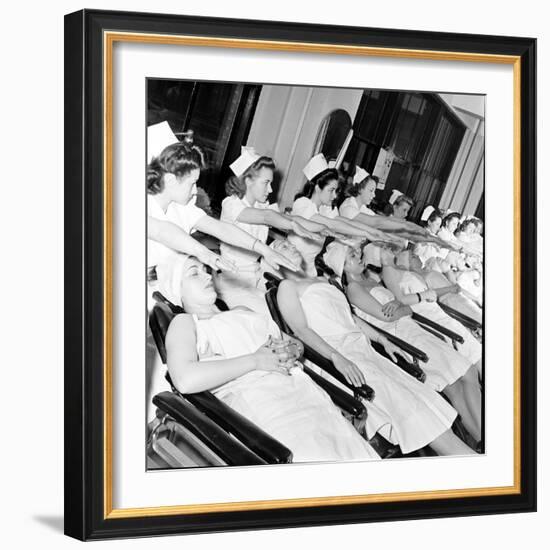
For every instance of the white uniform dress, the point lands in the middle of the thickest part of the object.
(444, 366)
(308, 248)
(293, 409)
(350, 208)
(246, 287)
(404, 410)
(411, 283)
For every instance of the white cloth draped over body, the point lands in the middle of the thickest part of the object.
(245, 287)
(456, 300)
(404, 411)
(293, 409)
(309, 248)
(411, 283)
(444, 366)
(350, 209)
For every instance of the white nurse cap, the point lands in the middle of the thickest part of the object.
(246, 160)
(360, 174)
(427, 213)
(315, 166)
(394, 194)
(159, 136)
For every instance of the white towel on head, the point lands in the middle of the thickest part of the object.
(335, 257)
(169, 276)
(371, 255)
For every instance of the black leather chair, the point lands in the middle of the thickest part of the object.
(225, 431)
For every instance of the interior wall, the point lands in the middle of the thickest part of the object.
(285, 126)
(466, 181)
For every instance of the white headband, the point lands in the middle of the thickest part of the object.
(246, 160)
(394, 194)
(360, 174)
(427, 213)
(159, 136)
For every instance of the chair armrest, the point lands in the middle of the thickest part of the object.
(233, 452)
(256, 439)
(271, 279)
(405, 346)
(365, 391)
(436, 326)
(340, 398)
(468, 322)
(414, 370)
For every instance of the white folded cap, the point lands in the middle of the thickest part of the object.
(159, 136)
(360, 174)
(371, 255)
(246, 160)
(335, 257)
(315, 166)
(427, 213)
(394, 194)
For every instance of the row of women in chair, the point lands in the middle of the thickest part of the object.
(242, 355)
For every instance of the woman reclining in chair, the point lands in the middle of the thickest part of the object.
(404, 410)
(446, 370)
(240, 356)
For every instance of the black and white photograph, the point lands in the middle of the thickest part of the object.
(315, 274)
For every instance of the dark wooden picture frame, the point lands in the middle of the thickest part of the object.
(89, 36)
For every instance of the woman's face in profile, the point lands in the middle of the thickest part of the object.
(401, 211)
(197, 288)
(434, 225)
(327, 195)
(368, 192)
(259, 187)
(452, 224)
(353, 262)
(182, 189)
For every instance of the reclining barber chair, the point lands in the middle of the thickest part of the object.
(198, 429)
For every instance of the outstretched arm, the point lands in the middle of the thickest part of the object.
(174, 237)
(231, 234)
(293, 313)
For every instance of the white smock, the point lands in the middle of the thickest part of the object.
(444, 366)
(245, 287)
(404, 410)
(309, 248)
(292, 409)
(350, 209)
(412, 283)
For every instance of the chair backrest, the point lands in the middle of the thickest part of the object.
(159, 321)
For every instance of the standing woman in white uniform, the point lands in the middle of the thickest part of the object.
(247, 207)
(172, 188)
(315, 203)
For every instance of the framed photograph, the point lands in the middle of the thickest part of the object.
(300, 274)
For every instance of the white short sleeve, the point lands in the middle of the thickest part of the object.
(349, 208)
(231, 208)
(304, 207)
(186, 216)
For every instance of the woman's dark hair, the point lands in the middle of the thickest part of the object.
(179, 159)
(354, 189)
(236, 185)
(449, 218)
(322, 180)
(433, 216)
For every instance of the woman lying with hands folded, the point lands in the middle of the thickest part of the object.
(243, 358)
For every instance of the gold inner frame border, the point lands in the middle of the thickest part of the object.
(109, 39)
